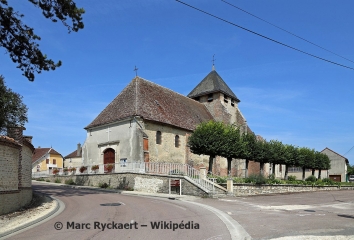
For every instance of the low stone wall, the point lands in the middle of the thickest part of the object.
(13, 200)
(133, 181)
(251, 189)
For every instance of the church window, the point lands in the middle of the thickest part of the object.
(210, 97)
(158, 137)
(176, 141)
(232, 102)
(226, 99)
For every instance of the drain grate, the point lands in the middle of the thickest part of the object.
(110, 204)
(309, 210)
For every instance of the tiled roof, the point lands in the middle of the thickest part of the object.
(153, 102)
(40, 152)
(210, 84)
(7, 139)
(74, 154)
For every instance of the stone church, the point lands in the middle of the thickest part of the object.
(150, 123)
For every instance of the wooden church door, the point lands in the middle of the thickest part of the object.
(109, 156)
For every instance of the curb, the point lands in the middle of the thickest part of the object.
(60, 206)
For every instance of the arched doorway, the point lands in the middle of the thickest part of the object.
(109, 156)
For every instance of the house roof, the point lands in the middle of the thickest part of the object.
(346, 159)
(153, 102)
(74, 154)
(40, 152)
(210, 84)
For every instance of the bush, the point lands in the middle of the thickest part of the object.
(57, 180)
(103, 185)
(274, 181)
(291, 178)
(221, 179)
(70, 182)
(40, 179)
(311, 178)
(47, 180)
(328, 181)
(238, 180)
(257, 179)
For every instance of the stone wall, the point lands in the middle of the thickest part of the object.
(15, 171)
(134, 181)
(251, 189)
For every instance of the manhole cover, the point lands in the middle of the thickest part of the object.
(309, 210)
(110, 204)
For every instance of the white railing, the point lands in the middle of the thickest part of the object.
(138, 167)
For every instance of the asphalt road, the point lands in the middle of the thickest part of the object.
(316, 215)
(89, 214)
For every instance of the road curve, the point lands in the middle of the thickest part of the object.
(91, 214)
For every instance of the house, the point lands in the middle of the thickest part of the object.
(15, 170)
(74, 159)
(338, 170)
(45, 160)
(150, 123)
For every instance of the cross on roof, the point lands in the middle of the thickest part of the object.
(136, 71)
(213, 68)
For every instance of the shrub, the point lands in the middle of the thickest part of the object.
(311, 179)
(103, 185)
(47, 180)
(257, 179)
(221, 179)
(291, 178)
(328, 181)
(40, 179)
(70, 182)
(238, 180)
(57, 180)
(274, 181)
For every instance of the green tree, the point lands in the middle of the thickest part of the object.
(306, 159)
(276, 153)
(322, 162)
(261, 153)
(20, 41)
(13, 112)
(350, 169)
(250, 145)
(233, 146)
(208, 139)
(291, 158)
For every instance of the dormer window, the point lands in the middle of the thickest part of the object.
(226, 99)
(232, 102)
(210, 97)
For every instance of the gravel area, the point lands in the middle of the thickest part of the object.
(39, 206)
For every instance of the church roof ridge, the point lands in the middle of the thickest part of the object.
(153, 102)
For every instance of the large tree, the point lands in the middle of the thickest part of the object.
(20, 41)
(250, 141)
(13, 112)
(233, 145)
(207, 139)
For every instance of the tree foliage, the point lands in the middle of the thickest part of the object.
(20, 41)
(13, 112)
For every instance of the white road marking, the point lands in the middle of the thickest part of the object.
(236, 231)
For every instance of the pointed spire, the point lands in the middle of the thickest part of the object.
(213, 68)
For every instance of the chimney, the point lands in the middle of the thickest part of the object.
(28, 138)
(16, 133)
(78, 151)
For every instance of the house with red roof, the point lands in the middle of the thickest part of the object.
(45, 160)
(74, 159)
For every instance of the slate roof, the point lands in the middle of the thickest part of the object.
(74, 154)
(210, 84)
(153, 102)
(40, 152)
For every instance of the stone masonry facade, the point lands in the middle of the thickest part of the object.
(15, 170)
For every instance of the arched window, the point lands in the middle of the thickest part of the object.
(176, 141)
(158, 137)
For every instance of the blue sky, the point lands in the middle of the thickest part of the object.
(285, 95)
